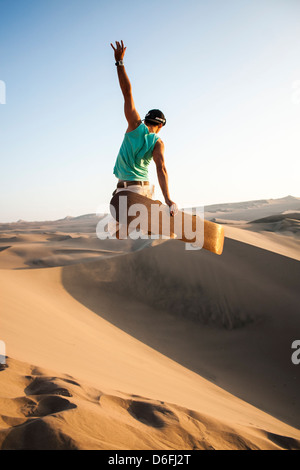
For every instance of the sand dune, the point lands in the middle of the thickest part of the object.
(281, 223)
(55, 248)
(204, 314)
(125, 345)
(250, 210)
(45, 411)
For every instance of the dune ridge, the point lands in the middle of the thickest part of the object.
(199, 287)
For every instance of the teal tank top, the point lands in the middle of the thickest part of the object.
(135, 154)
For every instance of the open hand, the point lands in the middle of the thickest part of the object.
(119, 50)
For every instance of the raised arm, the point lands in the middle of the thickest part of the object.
(131, 114)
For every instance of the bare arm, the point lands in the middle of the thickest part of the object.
(162, 175)
(131, 114)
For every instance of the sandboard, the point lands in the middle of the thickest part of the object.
(183, 226)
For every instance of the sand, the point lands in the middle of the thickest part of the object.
(133, 345)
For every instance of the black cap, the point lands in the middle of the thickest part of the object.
(155, 116)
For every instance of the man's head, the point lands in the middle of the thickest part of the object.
(155, 119)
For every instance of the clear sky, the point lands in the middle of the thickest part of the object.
(226, 74)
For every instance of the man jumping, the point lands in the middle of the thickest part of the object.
(140, 144)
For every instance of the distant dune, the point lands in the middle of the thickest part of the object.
(250, 210)
(145, 345)
(280, 223)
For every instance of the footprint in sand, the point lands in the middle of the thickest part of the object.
(48, 396)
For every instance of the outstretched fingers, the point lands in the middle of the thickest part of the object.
(119, 46)
(119, 50)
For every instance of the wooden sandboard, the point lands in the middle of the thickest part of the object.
(183, 226)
